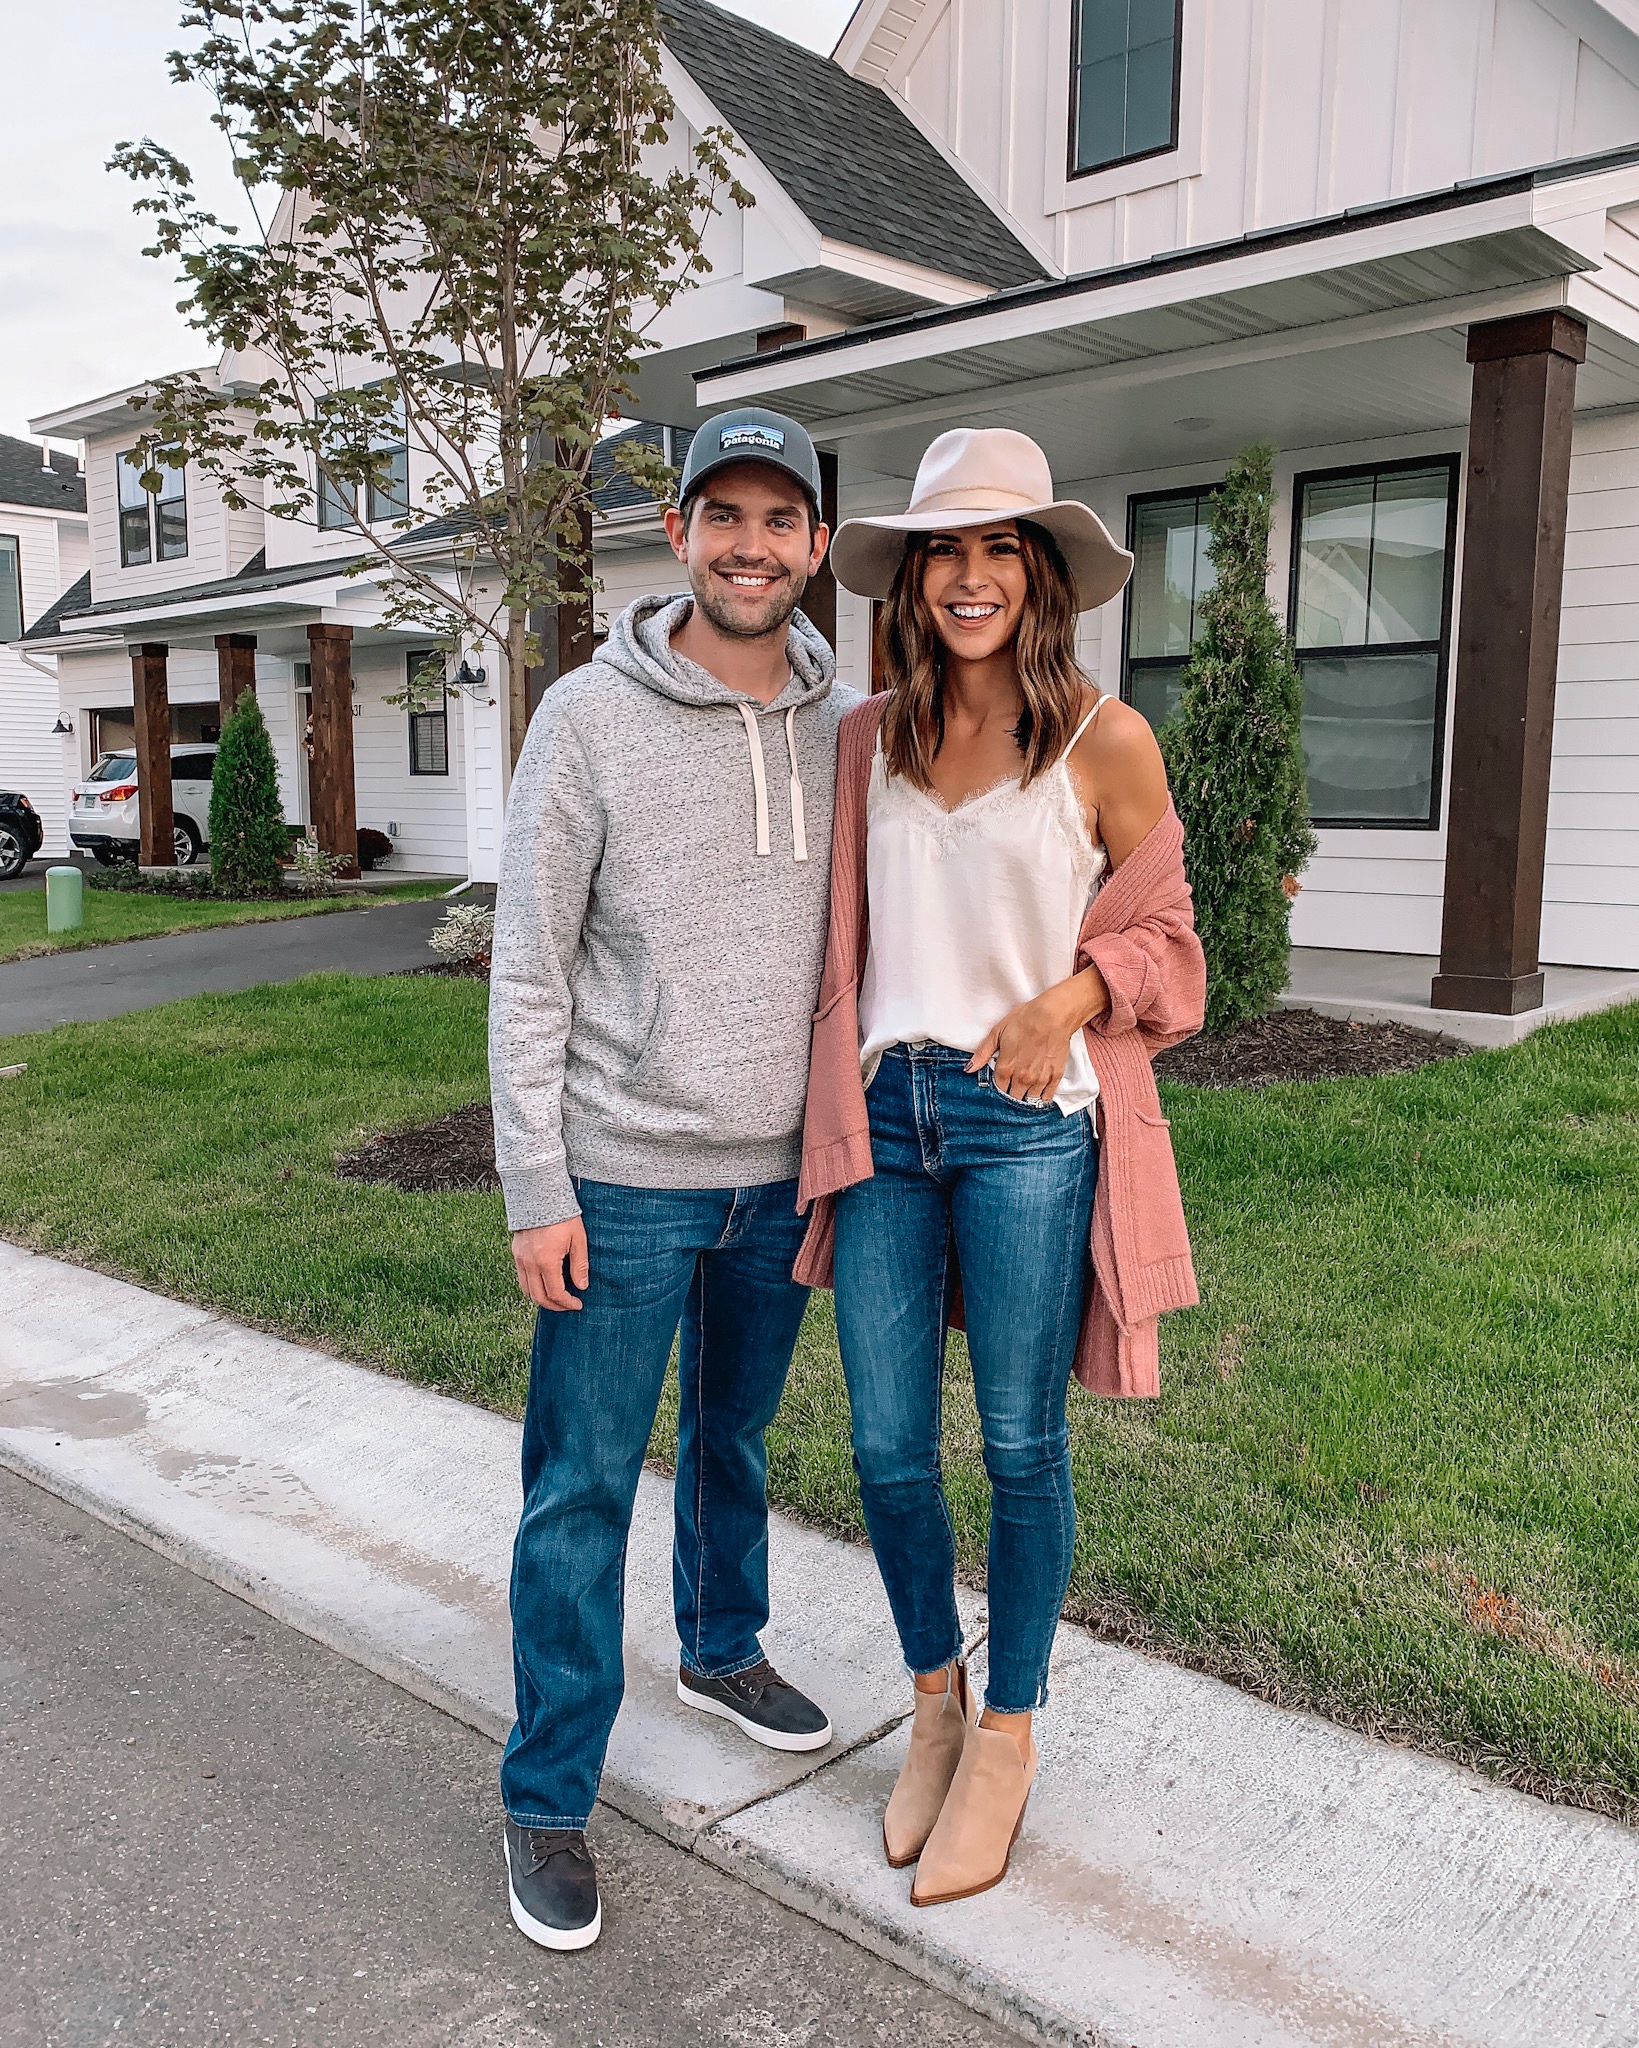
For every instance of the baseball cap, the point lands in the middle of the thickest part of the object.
(749, 434)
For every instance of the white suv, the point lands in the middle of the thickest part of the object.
(103, 818)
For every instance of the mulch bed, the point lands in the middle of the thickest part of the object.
(1301, 1045)
(456, 1153)
(453, 1155)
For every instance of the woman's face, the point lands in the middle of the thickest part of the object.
(974, 583)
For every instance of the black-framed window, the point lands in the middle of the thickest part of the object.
(152, 527)
(429, 729)
(1168, 533)
(1373, 554)
(11, 587)
(1126, 66)
(386, 496)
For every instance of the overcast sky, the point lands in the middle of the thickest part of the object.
(82, 311)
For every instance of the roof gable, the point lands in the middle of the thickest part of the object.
(848, 155)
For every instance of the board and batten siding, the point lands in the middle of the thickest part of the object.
(1590, 911)
(1290, 109)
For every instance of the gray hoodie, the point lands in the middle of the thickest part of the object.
(660, 923)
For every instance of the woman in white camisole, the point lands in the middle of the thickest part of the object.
(1003, 788)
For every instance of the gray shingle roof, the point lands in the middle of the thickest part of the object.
(612, 491)
(74, 600)
(24, 480)
(857, 165)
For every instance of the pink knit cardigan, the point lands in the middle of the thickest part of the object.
(1140, 934)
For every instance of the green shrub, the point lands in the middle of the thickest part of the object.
(1234, 752)
(248, 835)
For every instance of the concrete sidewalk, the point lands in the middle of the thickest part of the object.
(1199, 1870)
(107, 981)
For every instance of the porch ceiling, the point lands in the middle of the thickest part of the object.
(1307, 339)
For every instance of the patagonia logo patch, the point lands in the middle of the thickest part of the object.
(770, 438)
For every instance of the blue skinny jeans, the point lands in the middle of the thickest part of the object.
(966, 1176)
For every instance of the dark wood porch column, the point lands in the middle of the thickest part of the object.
(819, 600)
(575, 620)
(151, 705)
(1519, 476)
(335, 818)
(235, 670)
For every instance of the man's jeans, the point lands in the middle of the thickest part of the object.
(719, 1260)
(964, 1174)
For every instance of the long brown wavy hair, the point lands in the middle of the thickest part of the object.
(912, 658)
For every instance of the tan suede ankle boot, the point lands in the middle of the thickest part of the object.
(937, 1734)
(973, 1838)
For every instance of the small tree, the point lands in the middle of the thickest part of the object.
(248, 835)
(1234, 751)
(478, 214)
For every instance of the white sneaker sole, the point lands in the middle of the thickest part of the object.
(769, 1738)
(537, 1931)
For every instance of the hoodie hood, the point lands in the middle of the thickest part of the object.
(640, 647)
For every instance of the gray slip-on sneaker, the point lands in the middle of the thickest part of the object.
(761, 1704)
(552, 1886)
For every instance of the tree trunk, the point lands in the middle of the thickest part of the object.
(517, 683)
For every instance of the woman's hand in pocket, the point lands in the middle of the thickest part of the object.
(1030, 1047)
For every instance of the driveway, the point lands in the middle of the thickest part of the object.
(107, 981)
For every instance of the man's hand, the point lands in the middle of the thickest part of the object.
(541, 1256)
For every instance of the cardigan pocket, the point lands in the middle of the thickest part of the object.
(1159, 1230)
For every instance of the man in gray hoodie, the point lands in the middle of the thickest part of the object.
(659, 934)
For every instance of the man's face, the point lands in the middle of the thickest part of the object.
(750, 547)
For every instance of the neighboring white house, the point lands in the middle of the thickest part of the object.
(1149, 232)
(42, 552)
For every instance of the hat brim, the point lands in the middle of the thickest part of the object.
(866, 553)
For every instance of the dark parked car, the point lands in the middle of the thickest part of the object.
(20, 832)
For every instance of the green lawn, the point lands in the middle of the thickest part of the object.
(1394, 1474)
(112, 915)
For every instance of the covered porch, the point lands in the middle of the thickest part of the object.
(323, 658)
(1492, 328)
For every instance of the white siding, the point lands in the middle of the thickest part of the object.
(1290, 109)
(51, 552)
(1590, 911)
(424, 814)
(207, 556)
(627, 574)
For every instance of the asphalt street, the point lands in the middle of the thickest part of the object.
(217, 1832)
(108, 981)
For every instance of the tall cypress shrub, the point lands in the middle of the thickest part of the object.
(248, 833)
(1234, 752)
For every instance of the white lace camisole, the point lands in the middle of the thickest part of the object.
(974, 911)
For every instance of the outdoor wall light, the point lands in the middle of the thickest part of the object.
(63, 728)
(469, 679)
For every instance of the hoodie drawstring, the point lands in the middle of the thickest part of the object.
(799, 828)
(759, 782)
(759, 776)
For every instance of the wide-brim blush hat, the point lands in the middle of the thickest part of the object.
(970, 477)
